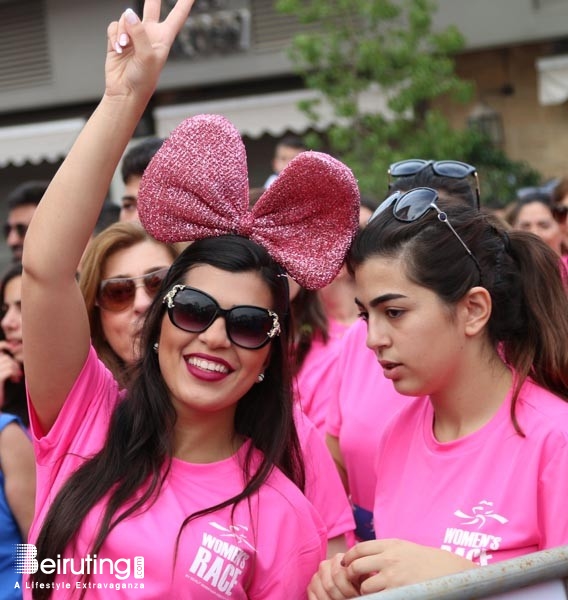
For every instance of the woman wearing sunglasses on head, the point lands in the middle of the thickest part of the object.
(192, 477)
(361, 399)
(121, 272)
(473, 320)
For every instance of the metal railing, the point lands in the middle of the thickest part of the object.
(540, 575)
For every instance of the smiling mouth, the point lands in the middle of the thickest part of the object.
(207, 365)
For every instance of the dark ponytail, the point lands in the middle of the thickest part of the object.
(529, 319)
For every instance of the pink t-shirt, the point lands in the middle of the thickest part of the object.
(313, 380)
(361, 404)
(269, 548)
(489, 496)
(323, 488)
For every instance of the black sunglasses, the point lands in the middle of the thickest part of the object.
(443, 168)
(19, 228)
(118, 294)
(192, 310)
(410, 206)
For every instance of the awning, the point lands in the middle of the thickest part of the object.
(37, 142)
(552, 79)
(272, 114)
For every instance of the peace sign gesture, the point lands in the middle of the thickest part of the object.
(137, 49)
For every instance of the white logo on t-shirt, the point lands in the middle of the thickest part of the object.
(474, 545)
(480, 514)
(218, 565)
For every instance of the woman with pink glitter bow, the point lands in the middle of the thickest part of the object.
(189, 484)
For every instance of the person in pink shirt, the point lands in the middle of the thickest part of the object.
(312, 381)
(361, 400)
(361, 403)
(189, 483)
(317, 337)
(472, 320)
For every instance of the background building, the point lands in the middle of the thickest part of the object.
(231, 58)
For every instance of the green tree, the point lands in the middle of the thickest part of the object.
(348, 47)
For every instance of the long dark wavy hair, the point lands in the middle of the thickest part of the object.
(309, 322)
(136, 457)
(529, 317)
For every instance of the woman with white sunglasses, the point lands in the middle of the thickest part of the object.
(189, 484)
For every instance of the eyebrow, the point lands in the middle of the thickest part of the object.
(381, 299)
(129, 197)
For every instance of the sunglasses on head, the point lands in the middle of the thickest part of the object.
(410, 206)
(560, 213)
(192, 310)
(118, 294)
(19, 228)
(443, 168)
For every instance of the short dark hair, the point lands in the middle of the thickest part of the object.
(137, 157)
(529, 198)
(292, 141)
(29, 192)
(559, 191)
(369, 202)
(451, 187)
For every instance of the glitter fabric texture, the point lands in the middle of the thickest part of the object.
(196, 186)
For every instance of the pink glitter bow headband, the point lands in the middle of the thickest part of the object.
(196, 186)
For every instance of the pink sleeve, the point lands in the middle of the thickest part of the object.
(351, 342)
(78, 432)
(333, 417)
(297, 543)
(315, 381)
(85, 414)
(552, 494)
(323, 484)
(293, 576)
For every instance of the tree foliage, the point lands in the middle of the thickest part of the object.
(348, 47)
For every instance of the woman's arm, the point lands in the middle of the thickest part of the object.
(379, 565)
(18, 466)
(55, 323)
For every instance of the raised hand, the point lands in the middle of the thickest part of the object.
(137, 48)
(63, 222)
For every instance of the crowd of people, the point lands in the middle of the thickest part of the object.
(286, 392)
